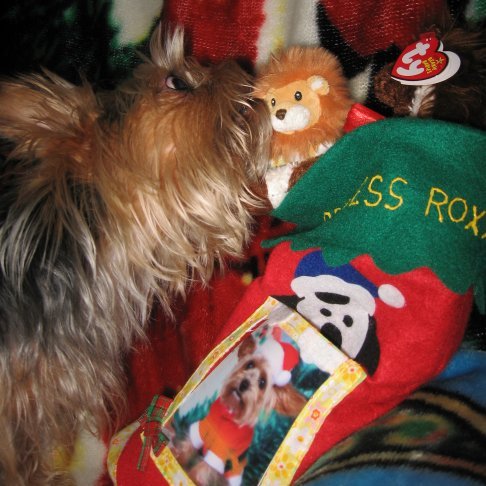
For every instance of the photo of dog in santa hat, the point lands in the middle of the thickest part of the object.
(211, 436)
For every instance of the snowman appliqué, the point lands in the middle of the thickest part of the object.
(341, 303)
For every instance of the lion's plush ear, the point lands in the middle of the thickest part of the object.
(318, 84)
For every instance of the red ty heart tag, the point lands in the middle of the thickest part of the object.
(425, 62)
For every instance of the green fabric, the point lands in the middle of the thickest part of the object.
(411, 193)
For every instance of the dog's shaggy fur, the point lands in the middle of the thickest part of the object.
(107, 202)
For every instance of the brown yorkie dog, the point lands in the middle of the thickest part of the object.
(107, 202)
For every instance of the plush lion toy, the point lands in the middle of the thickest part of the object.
(308, 98)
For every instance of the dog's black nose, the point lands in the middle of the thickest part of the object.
(244, 385)
(281, 114)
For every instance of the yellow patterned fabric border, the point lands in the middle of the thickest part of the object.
(170, 469)
(286, 461)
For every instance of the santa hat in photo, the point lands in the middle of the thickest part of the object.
(281, 355)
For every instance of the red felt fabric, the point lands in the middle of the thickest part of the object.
(127, 472)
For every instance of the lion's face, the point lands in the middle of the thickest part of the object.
(308, 97)
(296, 106)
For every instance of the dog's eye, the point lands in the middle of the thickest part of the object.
(250, 365)
(273, 101)
(262, 383)
(173, 82)
(298, 95)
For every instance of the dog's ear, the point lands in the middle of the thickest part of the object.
(38, 112)
(247, 347)
(289, 401)
(23, 102)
